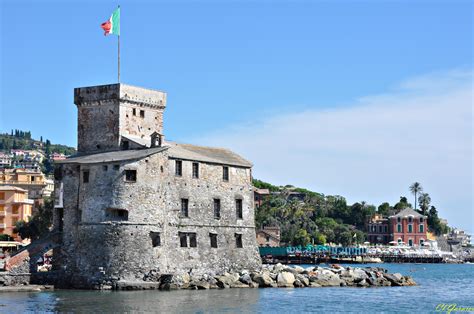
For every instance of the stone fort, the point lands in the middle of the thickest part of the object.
(132, 204)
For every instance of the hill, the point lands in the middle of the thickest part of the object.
(18, 139)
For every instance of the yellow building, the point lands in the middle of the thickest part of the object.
(32, 181)
(14, 206)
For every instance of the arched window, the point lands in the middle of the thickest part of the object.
(421, 220)
(410, 219)
(399, 219)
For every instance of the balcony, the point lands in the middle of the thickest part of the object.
(16, 182)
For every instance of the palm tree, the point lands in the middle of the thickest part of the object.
(424, 201)
(416, 188)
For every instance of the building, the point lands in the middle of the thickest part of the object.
(268, 237)
(378, 230)
(406, 227)
(57, 156)
(5, 160)
(14, 206)
(134, 204)
(260, 195)
(31, 180)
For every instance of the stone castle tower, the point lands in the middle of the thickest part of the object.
(133, 204)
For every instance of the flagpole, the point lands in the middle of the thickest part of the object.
(118, 54)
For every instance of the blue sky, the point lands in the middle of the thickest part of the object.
(232, 69)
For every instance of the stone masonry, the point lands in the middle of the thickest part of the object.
(134, 206)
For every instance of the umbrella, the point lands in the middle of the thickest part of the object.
(366, 242)
(393, 242)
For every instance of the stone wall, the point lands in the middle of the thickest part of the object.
(101, 248)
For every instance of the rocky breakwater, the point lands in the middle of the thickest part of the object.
(281, 276)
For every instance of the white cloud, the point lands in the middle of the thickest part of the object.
(375, 148)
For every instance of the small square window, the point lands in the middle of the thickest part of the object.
(213, 237)
(195, 170)
(85, 176)
(134, 111)
(130, 175)
(155, 239)
(225, 173)
(142, 113)
(105, 167)
(179, 168)
(116, 167)
(238, 241)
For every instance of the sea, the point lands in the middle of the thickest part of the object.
(437, 284)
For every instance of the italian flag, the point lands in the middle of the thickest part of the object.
(112, 26)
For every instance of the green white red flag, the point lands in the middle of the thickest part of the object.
(112, 26)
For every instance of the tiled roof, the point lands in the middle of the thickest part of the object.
(408, 212)
(118, 155)
(11, 188)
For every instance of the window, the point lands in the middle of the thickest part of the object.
(422, 228)
(184, 207)
(380, 229)
(421, 220)
(130, 175)
(32, 179)
(217, 208)
(238, 208)
(410, 228)
(2, 195)
(267, 238)
(183, 239)
(195, 170)
(213, 237)
(185, 236)
(422, 242)
(399, 228)
(142, 113)
(85, 176)
(399, 219)
(134, 111)
(15, 209)
(385, 229)
(116, 167)
(125, 145)
(178, 168)
(238, 241)
(410, 242)
(105, 167)
(410, 219)
(155, 239)
(225, 173)
(117, 214)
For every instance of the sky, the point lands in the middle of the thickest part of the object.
(351, 98)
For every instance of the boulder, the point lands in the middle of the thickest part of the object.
(278, 268)
(394, 280)
(299, 269)
(200, 285)
(263, 280)
(298, 284)
(224, 281)
(246, 279)
(303, 279)
(285, 279)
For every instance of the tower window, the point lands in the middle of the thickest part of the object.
(213, 237)
(105, 167)
(134, 111)
(85, 176)
(225, 173)
(130, 175)
(195, 170)
(184, 207)
(142, 113)
(185, 236)
(125, 145)
(155, 238)
(238, 208)
(217, 208)
(178, 168)
(183, 239)
(238, 241)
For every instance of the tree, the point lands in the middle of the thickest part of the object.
(424, 200)
(402, 204)
(384, 209)
(416, 188)
(39, 224)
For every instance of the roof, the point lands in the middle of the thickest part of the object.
(11, 188)
(145, 142)
(262, 191)
(175, 150)
(408, 212)
(119, 155)
(207, 154)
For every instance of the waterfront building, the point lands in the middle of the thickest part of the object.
(131, 204)
(260, 195)
(268, 237)
(405, 227)
(14, 206)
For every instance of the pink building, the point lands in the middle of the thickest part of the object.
(409, 227)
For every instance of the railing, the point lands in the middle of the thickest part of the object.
(22, 182)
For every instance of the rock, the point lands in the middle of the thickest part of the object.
(285, 279)
(303, 279)
(253, 285)
(201, 285)
(362, 283)
(239, 284)
(278, 268)
(314, 284)
(245, 279)
(359, 275)
(169, 286)
(298, 269)
(224, 281)
(394, 280)
(409, 281)
(298, 284)
(328, 279)
(263, 280)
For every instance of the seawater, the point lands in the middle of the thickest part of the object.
(437, 283)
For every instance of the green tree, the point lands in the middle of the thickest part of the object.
(301, 238)
(402, 204)
(40, 222)
(416, 188)
(384, 209)
(424, 200)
